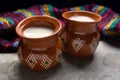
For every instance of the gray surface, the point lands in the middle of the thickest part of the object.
(104, 65)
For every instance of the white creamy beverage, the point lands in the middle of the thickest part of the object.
(37, 32)
(81, 18)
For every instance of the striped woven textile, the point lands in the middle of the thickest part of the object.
(109, 26)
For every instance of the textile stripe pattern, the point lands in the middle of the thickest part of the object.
(109, 26)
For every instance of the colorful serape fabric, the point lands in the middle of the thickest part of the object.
(109, 26)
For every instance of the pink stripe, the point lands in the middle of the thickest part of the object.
(13, 17)
(106, 14)
(87, 8)
(62, 22)
(56, 12)
(32, 9)
(58, 15)
(65, 9)
(106, 20)
(101, 26)
(38, 10)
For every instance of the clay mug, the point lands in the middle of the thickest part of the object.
(80, 37)
(41, 53)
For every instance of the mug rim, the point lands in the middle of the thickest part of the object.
(38, 16)
(86, 12)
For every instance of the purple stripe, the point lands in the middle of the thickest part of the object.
(35, 9)
(58, 14)
(14, 19)
(106, 14)
(32, 9)
(64, 10)
(87, 8)
(105, 21)
(38, 10)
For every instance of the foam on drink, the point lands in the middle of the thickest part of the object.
(37, 32)
(81, 18)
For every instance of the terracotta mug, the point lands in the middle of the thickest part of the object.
(39, 53)
(80, 38)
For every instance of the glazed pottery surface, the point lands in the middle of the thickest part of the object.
(80, 38)
(40, 53)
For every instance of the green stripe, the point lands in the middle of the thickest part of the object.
(10, 21)
(103, 10)
(29, 12)
(112, 27)
(82, 8)
(51, 10)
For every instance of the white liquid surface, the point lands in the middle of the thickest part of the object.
(37, 32)
(82, 18)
